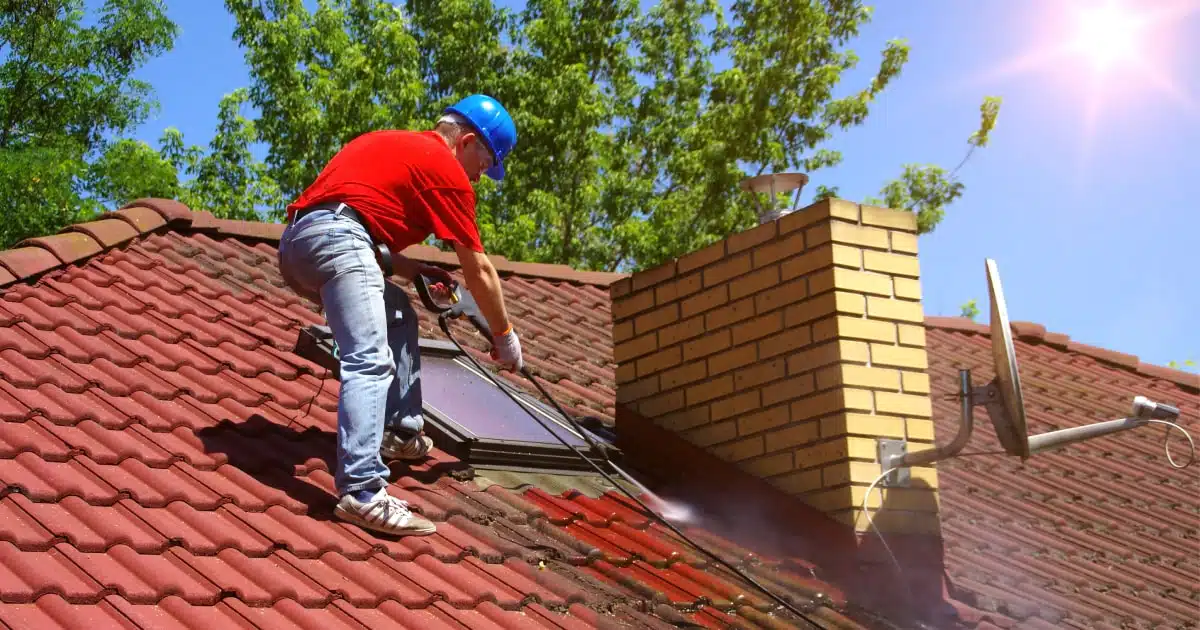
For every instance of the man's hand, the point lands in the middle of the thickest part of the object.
(506, 350)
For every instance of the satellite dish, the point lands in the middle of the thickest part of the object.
(1008, 416)
(1006, 408)
(774, 184)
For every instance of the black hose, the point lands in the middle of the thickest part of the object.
(575, 425)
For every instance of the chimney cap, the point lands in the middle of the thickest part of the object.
(774, 183)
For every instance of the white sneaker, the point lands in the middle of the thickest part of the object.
(395, 448)
(383, 513)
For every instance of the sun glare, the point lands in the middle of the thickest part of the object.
(1108, 35)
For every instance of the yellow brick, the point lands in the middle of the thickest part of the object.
(869, 377)
(682, 375)
(639, 389)
(622, 331)
(828, 402)
(778, 250)
(789, 437)
(891, 521)
(847, 256)
(828, 377)
(821, 306)
(684, 420)
(684, 330)
(657, 318)
(706, 256)
(923, 477)
(730, 267)
(911, 335)
(863, 424)
(735, 405)
(903, 404)
(751, 283)
(820, 211)
(884, 308)
(712, 434)
(892, 264)
(626, 372)
(769, 466)
(654, 276)
(821, 281)
(781, 295)
(673, 290)
(812, 260)
(862, 281)
(709, 390)
(822, 453)
(824, 354)
(842, 473)
(908, 499)
(635, 347)
(855, 328)
(919, 429)
(729, 314)
(915, 382)
(861, 448)
(658, 361)
(798, 482)
(902, 242)
(889, 218)
(794, 387)
(706, 345)
(749, 238)
(850, 234)
(733, 359)
(758, 327)
(899, 356)
(763, 420)
(707, 300)
(784, 342)
(907, 288)
(759, 373)
(659, 405)
(741, 449)
(632, 304)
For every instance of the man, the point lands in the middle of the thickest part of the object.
(394, 187)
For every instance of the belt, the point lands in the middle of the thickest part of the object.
(382, 254)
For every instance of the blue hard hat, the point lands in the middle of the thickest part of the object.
(492, 121)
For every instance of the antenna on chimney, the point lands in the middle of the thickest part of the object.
(1006, 408)
(774, 184)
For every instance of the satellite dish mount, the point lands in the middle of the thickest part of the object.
(1005, 405)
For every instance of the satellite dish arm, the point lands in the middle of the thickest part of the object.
(960, 440)
(1144, 411)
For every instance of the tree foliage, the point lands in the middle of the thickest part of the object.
(66, 95)
(635, 127)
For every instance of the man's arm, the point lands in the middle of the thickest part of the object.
(484, 284)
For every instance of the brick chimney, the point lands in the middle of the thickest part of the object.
(788, 350)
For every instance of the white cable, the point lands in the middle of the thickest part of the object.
(1167, 443)
(871, 522)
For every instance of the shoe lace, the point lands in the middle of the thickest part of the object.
(390, 506)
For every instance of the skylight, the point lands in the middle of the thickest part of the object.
(470, 417)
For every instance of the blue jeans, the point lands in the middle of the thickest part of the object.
(330, 259)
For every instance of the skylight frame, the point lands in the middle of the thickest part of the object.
(465, 443)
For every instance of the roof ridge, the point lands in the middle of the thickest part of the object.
(1032, 332)
(35, 256)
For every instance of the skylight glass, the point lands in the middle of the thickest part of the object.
(454, 388)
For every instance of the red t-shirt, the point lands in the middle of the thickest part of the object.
(405, 184)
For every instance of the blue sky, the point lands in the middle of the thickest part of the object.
(1091, 226)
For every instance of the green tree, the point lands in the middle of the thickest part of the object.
(970, 310)
(635, 127)
(1187, 364)
(227, 180)
(66, 96)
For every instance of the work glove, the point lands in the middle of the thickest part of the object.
(506, 350)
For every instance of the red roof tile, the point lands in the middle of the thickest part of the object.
(165, 461)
